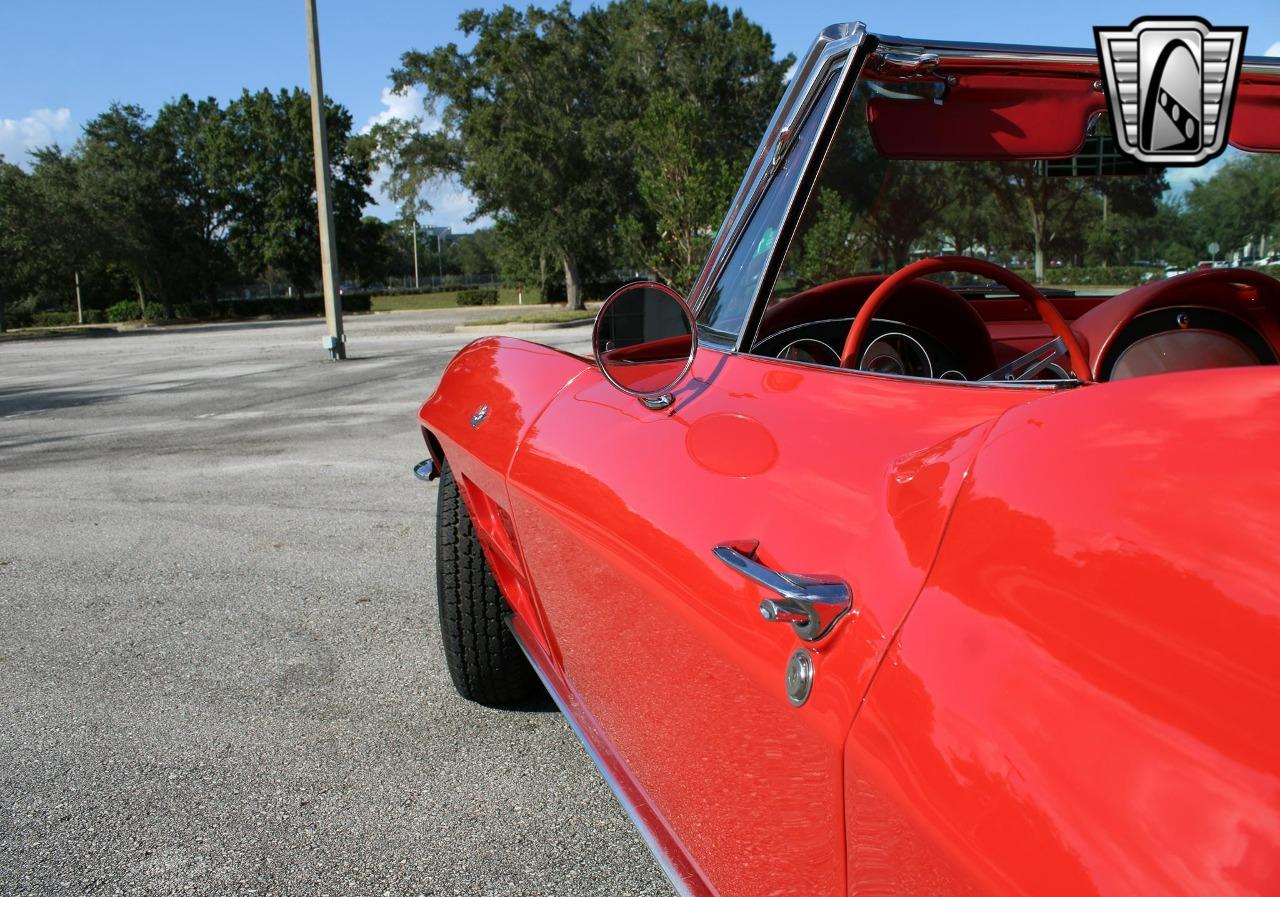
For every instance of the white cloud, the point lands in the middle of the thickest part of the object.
(405, 106)
(1273, 50)
(41, 128)
(450, 203)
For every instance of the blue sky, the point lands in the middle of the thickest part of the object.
(64, 62)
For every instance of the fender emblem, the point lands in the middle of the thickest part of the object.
(481, 413)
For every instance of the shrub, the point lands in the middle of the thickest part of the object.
(123, 312)
(354, 302)
(20, 313)
(1115, 275)
(154, 312)
(94, 316)
(478, 297)
(54, 318)
(592, 291)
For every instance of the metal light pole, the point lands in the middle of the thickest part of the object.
(415, 254)
(336, 340)
(441, 233)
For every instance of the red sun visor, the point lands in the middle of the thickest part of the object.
(1009, 115)
(989, 116)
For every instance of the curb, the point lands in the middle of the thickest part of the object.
(522, 325)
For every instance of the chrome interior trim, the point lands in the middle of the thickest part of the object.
(1015, 384)
(679, 870)
(849, 319)
(1027, 365)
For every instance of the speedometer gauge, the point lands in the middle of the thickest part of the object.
(897, 353)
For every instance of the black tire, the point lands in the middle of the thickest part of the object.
(485, 661)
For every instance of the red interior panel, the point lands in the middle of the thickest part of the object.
(989, 116)
(1255, 124)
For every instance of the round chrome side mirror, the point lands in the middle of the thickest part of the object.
(644, 341)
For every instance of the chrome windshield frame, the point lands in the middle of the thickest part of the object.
(834, 46)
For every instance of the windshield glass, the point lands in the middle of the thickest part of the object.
(1087, 222)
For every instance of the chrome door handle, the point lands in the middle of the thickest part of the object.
(811, 604)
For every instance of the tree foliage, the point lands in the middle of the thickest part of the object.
(264, 167)
(178, 207)
(612, 134)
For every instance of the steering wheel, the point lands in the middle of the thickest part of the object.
(1050, 315)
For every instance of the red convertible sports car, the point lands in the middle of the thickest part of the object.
(878, 567)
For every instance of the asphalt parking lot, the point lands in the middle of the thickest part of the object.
(218, 646)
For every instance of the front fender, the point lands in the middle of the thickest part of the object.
(512, 380)
(490, 395)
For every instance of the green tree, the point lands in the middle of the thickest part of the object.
(476, 253)
(16, 245)
(682, 187)
(410, 161)
(265, 170)
(832, 246)
(691, 87)
(1037, 201)
(193, 137)
(1239, 204)
(970, 219)
(521, 129)
(128, 184)
(65, 235)
(921, 187)
(582, 133)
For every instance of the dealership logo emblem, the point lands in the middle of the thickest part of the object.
(1170, 84)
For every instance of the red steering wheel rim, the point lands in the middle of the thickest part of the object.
(1050, 315)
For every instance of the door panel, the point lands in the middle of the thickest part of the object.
(618, 508)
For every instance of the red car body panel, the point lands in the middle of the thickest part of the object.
(1061, 673)
(1054, 677)
(1082, 701)
(616, 559)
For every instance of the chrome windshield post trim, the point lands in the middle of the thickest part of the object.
(833, 43)
(845, 69)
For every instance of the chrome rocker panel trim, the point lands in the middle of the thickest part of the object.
(680, 870)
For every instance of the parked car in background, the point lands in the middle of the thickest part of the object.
(858, 576)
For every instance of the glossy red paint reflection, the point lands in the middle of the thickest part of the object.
(1083, 699)
(1073, 695)
(618, 508)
